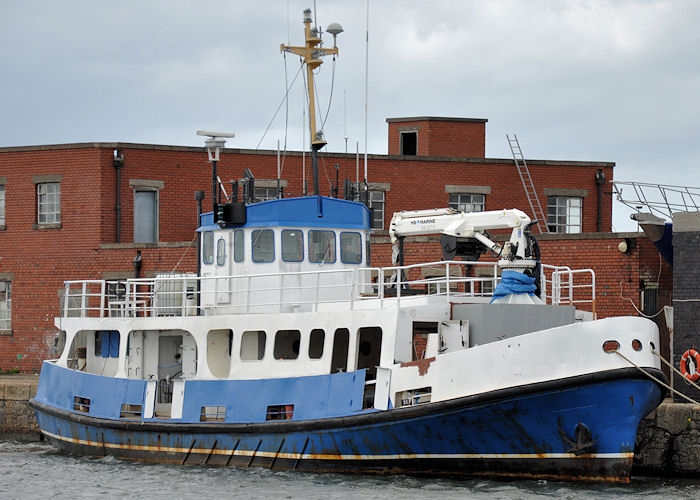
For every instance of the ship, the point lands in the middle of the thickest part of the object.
(288, 350)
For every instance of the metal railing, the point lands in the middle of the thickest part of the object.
(187, 295)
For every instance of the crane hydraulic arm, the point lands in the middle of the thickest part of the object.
(518, 253)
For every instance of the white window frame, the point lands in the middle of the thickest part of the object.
(48, 203)
(145, 185)
(467, 200)
(2, 205)
(5, 305)
(375, 210)
(566, 207)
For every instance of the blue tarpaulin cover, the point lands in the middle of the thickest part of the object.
(513, 282)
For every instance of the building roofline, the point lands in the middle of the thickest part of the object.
(436, 119)
(266, 152)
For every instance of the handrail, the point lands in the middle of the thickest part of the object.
(176, 295)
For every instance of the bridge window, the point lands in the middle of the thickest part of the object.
(322, 247)
(220, 252)
(350, 248)
(208, 247)
(107, 344)
(316, 341)
(292, 245)
(263, 245)
(238, 245)
(287, 344)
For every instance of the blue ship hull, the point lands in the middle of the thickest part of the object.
(578, 428)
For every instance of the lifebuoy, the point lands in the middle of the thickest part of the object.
(684, 364)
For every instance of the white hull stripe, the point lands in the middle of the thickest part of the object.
(313, 456)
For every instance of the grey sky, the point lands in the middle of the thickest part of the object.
(579, 80)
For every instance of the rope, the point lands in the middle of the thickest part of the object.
(278, 107)
(661, 383)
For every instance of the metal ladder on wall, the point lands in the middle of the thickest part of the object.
(526, 179)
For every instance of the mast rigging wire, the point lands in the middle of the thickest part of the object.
(278, 107)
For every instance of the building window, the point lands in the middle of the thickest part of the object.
(265, 193)
(409, 143)
(564, 214)
(5, 305)
(48, 203)
(376, 204)
(2, 205)
(145, 216)
(467, 202)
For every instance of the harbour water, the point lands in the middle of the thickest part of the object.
(36, 470)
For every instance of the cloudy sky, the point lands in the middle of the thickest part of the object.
(575, 80)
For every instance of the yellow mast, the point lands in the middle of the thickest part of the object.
(311, 55)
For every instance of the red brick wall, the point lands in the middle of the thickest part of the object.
(455, 138)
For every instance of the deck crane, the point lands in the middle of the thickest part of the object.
(520, 253)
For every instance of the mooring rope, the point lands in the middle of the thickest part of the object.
(658, 381)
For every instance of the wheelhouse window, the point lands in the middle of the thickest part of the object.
(263, 245)
(208, 247)
(48, 203)
(376, 204)
(350, 248)
(322, 247)
(292, 245)
(564, 214)
(466, 202)
(5, 305)
(220, 252)
(145, 216)
(238, 245)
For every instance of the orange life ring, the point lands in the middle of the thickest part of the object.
(684, 364)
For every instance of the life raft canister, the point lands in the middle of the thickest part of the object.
(684, 364)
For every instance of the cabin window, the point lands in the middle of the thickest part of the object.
(219, 344)
(339, 360)
(287, 344)
(253, 345)
(238, 245)
(369, 349)
(208, 248)
(350, 248)
(107, 344)
(292, 245)
(220, 252)
(322, 247)
(316, 340)
(263, 245)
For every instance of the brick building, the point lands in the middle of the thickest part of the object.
(84, 211)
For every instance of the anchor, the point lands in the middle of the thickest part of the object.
(583, 439)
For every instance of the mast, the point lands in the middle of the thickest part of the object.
(311, 55)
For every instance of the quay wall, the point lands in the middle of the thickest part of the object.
(668, 439)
